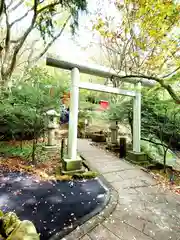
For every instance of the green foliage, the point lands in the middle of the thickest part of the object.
(93, 97)
(21, 113)
(46, 22)
(120, 110)
(157, 115)
(160, 124)
(160, 119)
(22, 110)
(16, 151)
(156, 152)
(88, 103)
(22, 150)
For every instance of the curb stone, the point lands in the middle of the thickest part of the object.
(89, 222)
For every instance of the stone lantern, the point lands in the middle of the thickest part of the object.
(52, 125)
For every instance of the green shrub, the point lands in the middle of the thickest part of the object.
(13, 150)
(22, 109)
(22, 112)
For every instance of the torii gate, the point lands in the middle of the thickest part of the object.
(99, 71)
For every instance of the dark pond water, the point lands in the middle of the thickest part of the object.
(51, 206)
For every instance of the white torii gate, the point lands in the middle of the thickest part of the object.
(99, 71)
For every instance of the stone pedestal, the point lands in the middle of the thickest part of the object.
(137, 158)
(71, 167)
(50, 148)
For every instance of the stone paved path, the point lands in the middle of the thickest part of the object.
(144, 211)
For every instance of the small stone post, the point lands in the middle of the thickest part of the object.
(85, 127)
(122, 150)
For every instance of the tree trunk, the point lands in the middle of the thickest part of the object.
(21, 144)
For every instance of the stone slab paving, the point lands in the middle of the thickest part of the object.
(144, 211)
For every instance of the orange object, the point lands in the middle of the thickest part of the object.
(66, 99)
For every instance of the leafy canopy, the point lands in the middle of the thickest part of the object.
(141, 38)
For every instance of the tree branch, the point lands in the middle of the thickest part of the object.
(10, 3)
(16, 6)
(156, 143)
(22, 40)
(1, 7)
(53, 40)
(169, 74)
(48, 6)
(31, 53)
(37, 12)
(30, 48)
(148, 56)
(21, 18)
(168, 87)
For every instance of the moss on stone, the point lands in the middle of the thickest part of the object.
(10, 222)
(63, 177)
(1, 213)
(12, 228)
(85, 175)
(25, 231)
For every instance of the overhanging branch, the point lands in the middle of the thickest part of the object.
(53, 40)
(22, 40)
(158, 144)
(169, 74)
(48, 6)
(168, 87)
(21, 18)
(16, 6)
(143, 76)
